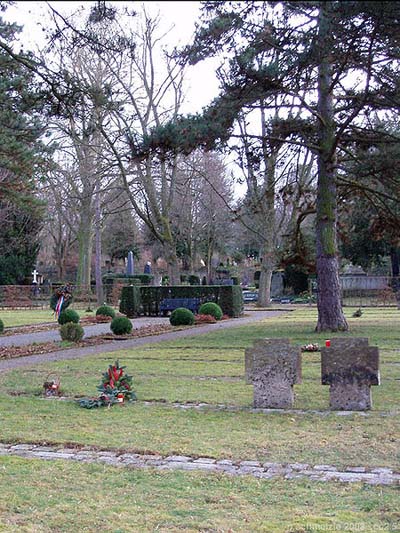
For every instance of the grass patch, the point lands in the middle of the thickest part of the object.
(26, 317)
(63, 497)
(210, 369)
(41, 496)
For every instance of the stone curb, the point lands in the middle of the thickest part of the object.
(203, 406)
(324, 473)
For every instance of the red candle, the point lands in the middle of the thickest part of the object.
(327, 343)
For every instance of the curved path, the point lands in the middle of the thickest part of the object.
(53, 335)
(76, 353)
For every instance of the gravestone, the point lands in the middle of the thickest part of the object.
(273, 367)
(259, 346)
(350, 367)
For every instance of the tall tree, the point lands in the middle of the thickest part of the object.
(22, 157)
(335, 61)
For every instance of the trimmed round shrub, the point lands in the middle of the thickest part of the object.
(105, 310)
(211, 308)
(70, 331)
(181, 317)
(69, 315)
(121, 325)
(1, 326)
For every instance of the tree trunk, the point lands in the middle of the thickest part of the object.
(268, 247)
(264, 290)
(99, 280)
(85, 243)
(330, 313)
(169, 252)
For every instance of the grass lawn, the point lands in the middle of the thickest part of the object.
(26, 317)
(209, 369)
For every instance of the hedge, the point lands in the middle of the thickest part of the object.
(130, 304)
(228, 297)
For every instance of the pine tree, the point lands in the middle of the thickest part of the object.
(21, 156)
(335, 61)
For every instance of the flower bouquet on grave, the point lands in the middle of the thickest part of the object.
(61, 299)
(312, 347)
(115, 382)
(116, 387)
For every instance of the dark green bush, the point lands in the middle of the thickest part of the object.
(181, 317)
(130, 301)
(70, 331)
(121, 325)
(69, 315)
(193, 279)
(228, 297)
(105, 310)
(211, 308)
(1, 326)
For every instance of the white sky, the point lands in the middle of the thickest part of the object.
(179, 17)
(202, 85)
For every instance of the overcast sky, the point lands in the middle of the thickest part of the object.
(179, 17)
(202, 85)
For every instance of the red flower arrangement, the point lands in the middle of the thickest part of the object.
(116, 387)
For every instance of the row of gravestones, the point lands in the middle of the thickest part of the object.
(349, 366)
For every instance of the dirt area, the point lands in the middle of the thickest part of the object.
(10, 352)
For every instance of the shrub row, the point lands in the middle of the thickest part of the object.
(146, 300)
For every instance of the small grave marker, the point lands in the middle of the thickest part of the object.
(273, 367)
(350, 367)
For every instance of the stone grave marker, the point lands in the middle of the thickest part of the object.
(350, 367)
(273, 367)
(259, 346)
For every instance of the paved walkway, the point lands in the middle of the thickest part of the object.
(75, 353)
(322, 473)
(53, 335)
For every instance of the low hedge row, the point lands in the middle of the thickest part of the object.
(228, 297)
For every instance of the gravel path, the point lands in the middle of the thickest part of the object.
(92, 330)
(76, 353)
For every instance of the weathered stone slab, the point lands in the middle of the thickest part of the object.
(350, 370)
(274, 368)
(259, 346)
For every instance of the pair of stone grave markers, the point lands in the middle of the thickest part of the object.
(349, 366)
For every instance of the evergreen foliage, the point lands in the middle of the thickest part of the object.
(130, 303)
(71, 331)
(228, 297)
(21, 158)
(1, 326)
(181, 317)
(121, 325)
(211, 308)
(105, 310)
(68, 315)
